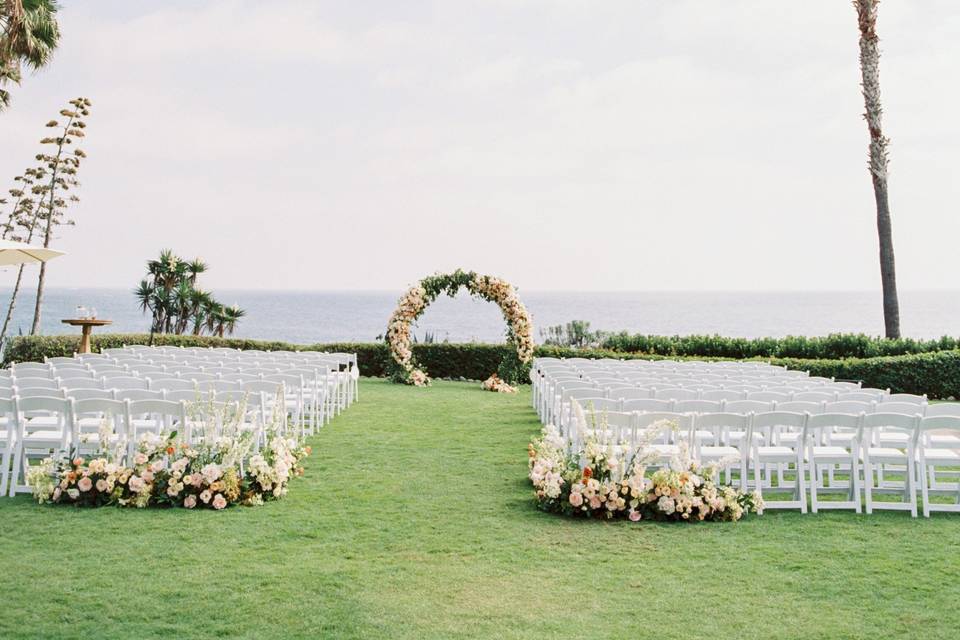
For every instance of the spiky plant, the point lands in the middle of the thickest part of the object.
(870, 82)
(62, 165)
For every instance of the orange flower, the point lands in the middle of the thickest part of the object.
(587, 473)
(170, 450)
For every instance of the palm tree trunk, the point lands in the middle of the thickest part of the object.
(870, 76)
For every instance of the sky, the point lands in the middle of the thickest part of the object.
(561, 144)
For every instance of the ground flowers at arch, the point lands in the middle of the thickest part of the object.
(415, 301)
(612, 480)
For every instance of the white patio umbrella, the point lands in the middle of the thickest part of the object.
(22, 253)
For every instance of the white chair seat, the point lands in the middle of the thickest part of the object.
(894, 438)
(831, 452)
(776, 451)
(665, 449)
(945, 440)
(790, 437)
(843, 437)
(886, 454)
(941, 456)
(34, 437)
(717, 453)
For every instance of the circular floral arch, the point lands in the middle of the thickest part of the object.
(416, 300)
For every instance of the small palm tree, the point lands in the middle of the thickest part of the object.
(29, 33)
(176, 305)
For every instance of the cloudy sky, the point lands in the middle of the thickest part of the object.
(563, 144)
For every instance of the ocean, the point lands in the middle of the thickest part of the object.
(336, 316)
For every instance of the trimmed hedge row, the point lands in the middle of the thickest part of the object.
(831, 347)
(936, 374)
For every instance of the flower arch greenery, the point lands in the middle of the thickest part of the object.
(514, 367)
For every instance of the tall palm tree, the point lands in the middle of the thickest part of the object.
(28, 36)
(870, 74)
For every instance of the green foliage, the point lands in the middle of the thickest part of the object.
(838, 345)
(575, 333)
(29, 33)
(175, 302)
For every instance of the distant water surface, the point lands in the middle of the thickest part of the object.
(334, 316)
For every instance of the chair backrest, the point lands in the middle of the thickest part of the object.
(940, 409)
(80, 383)
(779, 418)
(48, 383)
(597, 404)
(84, 394)
(830, 421)
(675, 393)
(188, 395)
(718, 423)
(849, 407)
(199, 377)
(137, 394)
(262, 386)
(647, 404)
(905, 408)
(98, 406)
(239, 377)
(906, 397)
(39, 392)
(742, 388)
(161, 408)
(747, 406)
(112, 373)
(583, 394)
(30, 368)
(943, 423)
(683, 421)
(815, 396)
(126, 383)
(893, 422)
(769, 396)
(629, 393)
(698, 406)
(859, 396)
(799, 406)
(721, 395)
(172, 384)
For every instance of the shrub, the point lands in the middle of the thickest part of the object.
(839, 345)
(936, 373)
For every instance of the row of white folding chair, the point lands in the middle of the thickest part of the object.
(682, 393)
(918, 455)
(64, 421)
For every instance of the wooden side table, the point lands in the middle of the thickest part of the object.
(87, 325)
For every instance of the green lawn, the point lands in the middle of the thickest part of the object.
(415, 520)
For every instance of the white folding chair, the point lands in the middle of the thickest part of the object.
(7, 429)
(842, 456)
(89, 416)
(43, 426)
(876, 454)
(709, 431)
(766, 455)
(932, 456)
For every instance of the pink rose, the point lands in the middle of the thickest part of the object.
(147, 476)
(576, 499)
(219, 502)
(205, 496)
(595, 502)
(190, 502)
(634, 515)
(102, 485)
(85, 484)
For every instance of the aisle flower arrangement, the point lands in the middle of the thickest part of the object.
(222, 468)
(415, 301)
(609, 480)
(494, 383)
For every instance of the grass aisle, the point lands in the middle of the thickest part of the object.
(415, 520)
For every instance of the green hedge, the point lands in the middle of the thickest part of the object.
(937, 374)
(831, 347)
